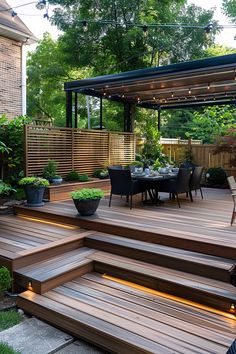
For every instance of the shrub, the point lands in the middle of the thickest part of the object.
(50, 170)
(57, 177)
(87, 193)
(6, 349)
(83, 178)
(5, 189)
(34, 181)
(215, 176)
(5, 279)
(72, 176)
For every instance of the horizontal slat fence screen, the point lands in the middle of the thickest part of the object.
(75, 149)
(202, 155)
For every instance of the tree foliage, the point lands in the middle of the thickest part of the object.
(211, 122)
(113, 44)
(229, 7)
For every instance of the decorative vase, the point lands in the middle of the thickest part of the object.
(86, 207)
(57, 180)
(34, 195)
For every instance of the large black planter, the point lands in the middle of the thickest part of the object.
(86, 207)
(34, 195)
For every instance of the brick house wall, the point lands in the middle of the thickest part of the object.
(10, 77)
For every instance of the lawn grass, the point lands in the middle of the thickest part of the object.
(8, 319)
(6, 349)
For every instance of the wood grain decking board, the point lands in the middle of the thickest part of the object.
(202, 226)
(125, 320)
(192, 262)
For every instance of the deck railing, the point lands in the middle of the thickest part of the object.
(75, 149)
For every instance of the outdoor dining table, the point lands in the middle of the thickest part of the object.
(150, 185)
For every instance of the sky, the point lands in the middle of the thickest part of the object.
(33, 18)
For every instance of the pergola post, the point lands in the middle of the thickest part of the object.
(76, 109)
(129, 112)
(101, 116)
(159, 120)
(68, 109)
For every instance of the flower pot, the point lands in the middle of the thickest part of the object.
(86, 207)
(57, 180)
(34, 195)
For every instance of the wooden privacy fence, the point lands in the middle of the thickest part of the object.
(75, 149)
(202, 155)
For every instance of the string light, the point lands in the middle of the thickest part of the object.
(13, 14)
(172, 94)
(41, 5)
(189, 91)
(209, 86)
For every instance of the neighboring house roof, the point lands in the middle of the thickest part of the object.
(15, 29)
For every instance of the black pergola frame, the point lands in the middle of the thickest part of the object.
(204, 82)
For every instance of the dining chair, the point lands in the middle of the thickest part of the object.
(195, 180)
(177, 186)
(232, 183)
(232, 186)
(123, 184)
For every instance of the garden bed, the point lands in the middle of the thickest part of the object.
(59, 192)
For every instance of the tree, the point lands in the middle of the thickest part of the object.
(212, 122)
(47, 72)
(229, 7)
(113, 44)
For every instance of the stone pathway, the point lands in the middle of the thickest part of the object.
(33, 336)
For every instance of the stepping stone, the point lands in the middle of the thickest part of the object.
(81, 347)
(35, 336)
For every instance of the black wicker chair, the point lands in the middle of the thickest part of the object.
(195, 180)
(177, 186)
(122, 184)
(232, 349)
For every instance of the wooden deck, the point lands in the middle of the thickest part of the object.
(127, 320)
(202, 226)
(154, 279)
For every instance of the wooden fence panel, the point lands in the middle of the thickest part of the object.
(75, 149)
(202, 155)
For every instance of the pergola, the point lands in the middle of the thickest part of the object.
(203, 82)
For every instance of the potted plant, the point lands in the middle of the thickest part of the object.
(5, 191)
(87, 200)
(57, 179)
(34, 190)
(50, 170)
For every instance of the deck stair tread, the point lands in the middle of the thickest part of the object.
(194, 287)
(47, 269)
(53, 271)
(125, 320)
(199, 263)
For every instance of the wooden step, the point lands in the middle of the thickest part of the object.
(47, 274)
(210, 292)
(191, 262)
(125, 320)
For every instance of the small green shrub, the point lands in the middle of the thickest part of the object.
(57, 177)
(50, 170)
(215, 176)
(5, 279)
(72, 176)
(83, 178)
(34, 181)
(5, 189)
(87, 193)
(9, 319)
(19, 194)
(6, 349)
